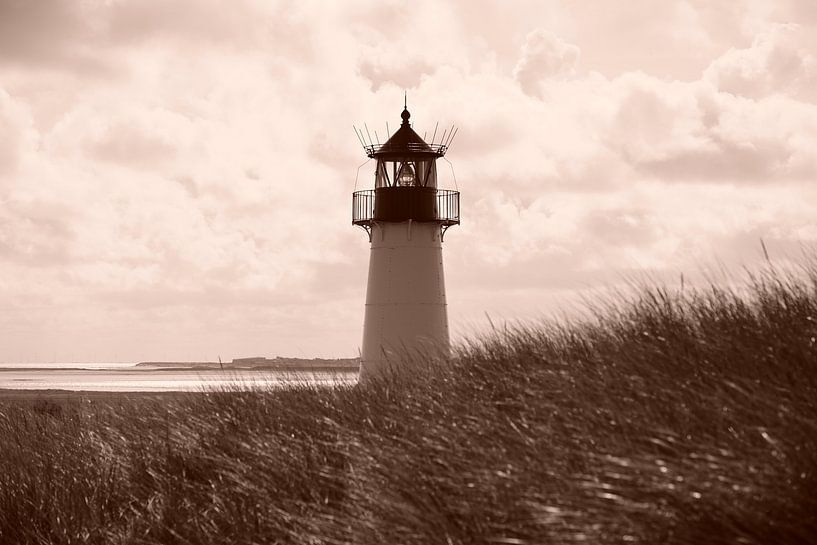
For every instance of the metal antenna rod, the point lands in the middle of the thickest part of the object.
(367, 133)
(363, 139)
(449, 135)
(451, 138)
(376, 137)
(435, 131)
(442, 138)
(358, 137)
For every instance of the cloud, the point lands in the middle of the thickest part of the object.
(57, 35)
(36, 234)
(126, 144)
(774, 64)
(403, 74)
(15, 131)
(202, 21)
(37, 31)
(695, 133)
(544, 56)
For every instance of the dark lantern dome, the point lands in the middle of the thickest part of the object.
(405, 143)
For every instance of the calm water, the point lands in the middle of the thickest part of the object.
(126, 377)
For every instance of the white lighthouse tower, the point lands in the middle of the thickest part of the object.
(406, 216)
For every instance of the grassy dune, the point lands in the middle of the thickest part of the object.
(669, 418)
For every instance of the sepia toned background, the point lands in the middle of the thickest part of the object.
(175, 177)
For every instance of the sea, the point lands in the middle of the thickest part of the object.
(128, 377)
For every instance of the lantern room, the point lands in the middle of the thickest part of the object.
(405, 182)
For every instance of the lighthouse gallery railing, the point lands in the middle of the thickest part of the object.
(446, 209)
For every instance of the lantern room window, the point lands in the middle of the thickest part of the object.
(406, 176)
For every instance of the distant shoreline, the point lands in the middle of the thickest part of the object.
(259, 363)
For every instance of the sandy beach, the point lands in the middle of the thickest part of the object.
(96, 381)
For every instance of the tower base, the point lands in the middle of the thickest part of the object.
(406, 316)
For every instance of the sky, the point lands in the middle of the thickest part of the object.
(176, 175)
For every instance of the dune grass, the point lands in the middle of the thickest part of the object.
(667, 418)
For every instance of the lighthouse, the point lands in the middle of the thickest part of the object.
(405, 216)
